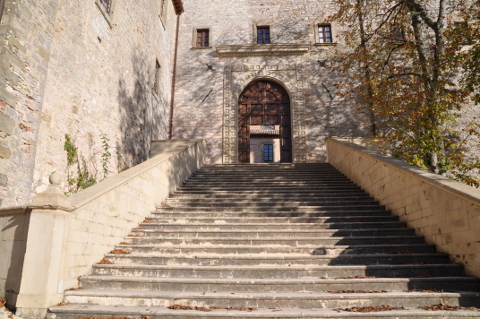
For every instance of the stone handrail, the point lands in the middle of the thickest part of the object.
(444, 211)
(68, 234)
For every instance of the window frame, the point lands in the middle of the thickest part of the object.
(322, 37)
(268, 153)
(264, 34)
(196, 32)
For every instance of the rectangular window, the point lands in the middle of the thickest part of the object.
(203, 40)
(324, 33)
(156, 83)
(268, 153)
(107, 5)
(263, 35)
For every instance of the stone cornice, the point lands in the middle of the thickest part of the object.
(262, 50)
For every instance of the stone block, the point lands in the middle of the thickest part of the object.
(8, 97)
(5, 151)
(3, 180)
(7, 124)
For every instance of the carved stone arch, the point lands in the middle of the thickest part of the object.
(270, 78)
(237, 77)
(264, 112)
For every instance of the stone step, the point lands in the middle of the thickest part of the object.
(132, 298)
(191, 219)
(211, 285)
(271, 236)
(186, 213)
(272, 222)
(315, 239)
(272, 183)
(272, 205)
(287, 187)
(275, 198)
(351, 191)
(303, 245)
(149, 245)
(154, 258)
(267, 203)
(316, 178)
(273, 166)
(251, 196)
(269, 176)
(276, 231)
(352, 209)
(72, 311)
(260, 271)
(255, 174)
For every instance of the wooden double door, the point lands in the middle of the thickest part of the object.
(264, 103)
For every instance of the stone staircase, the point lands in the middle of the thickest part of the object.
(274, 241)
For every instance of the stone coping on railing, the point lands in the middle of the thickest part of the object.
(444, 211)
(67, 235)
(450, 185)
(21, 209)
(162, 151)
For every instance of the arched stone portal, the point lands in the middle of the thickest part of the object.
(237, 77)
(264, 118)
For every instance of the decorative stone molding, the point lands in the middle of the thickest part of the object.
(262, 50)
(237, 76)
(52, 197)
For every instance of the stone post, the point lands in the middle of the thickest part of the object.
(41, 283)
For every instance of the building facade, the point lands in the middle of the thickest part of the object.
(249, 65)
(98, 71)
(258, 80)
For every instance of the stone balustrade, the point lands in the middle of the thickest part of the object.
(445, 211)
(64, 236)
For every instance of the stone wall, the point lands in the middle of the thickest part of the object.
(101, 82)
(69, 67)
(444, 211)
(206, 100)
(26, 35)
